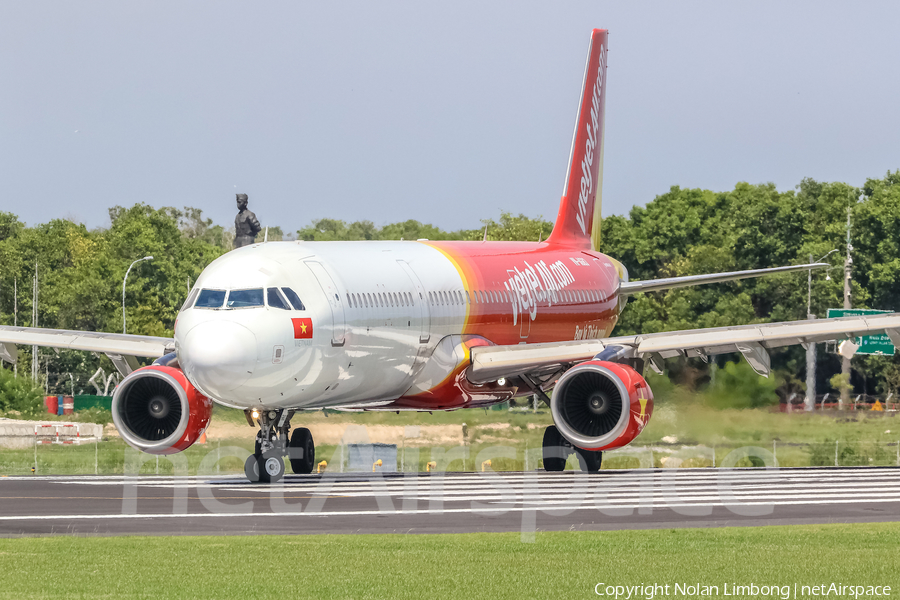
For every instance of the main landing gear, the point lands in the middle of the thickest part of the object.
(266, 464)
(556, 450)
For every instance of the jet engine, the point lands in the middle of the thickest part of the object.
(600, 405)
(158, 411)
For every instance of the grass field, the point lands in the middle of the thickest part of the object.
(558, 565)
(688, 432)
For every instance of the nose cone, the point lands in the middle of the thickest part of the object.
(218, 357)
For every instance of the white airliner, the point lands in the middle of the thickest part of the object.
(281, 327)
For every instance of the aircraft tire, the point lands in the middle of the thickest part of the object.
(271, 467)
(554, 450)
(589, 460)
(302, 438)
(251, 469)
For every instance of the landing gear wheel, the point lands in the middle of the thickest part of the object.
(589, 460)
(554, 450)
(251, 468)
(271, 467)
(303, 447)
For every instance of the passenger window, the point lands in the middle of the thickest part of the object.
(293, 298)
(210, 299)
(190, 299)
(275, 299)
(245, 298)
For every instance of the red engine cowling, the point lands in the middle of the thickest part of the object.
(158, 411)
(599, 405)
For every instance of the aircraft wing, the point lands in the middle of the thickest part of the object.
(119, 347)
(489, 363)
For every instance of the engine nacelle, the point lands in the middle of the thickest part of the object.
(599, 405)
(158, 411)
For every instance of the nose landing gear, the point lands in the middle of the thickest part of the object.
(266, 464)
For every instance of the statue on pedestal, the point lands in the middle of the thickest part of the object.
(246, 226)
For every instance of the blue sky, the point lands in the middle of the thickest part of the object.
(443, 112)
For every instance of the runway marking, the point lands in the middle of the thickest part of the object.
(499, 493)
(411, 512)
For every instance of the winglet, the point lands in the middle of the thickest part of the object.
(578, 222)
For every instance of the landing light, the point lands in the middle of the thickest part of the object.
(501, 382)
(254, 414)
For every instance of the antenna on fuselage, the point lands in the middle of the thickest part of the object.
(485, 234)
(266, 238)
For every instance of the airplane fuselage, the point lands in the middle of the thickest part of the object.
(383, 325)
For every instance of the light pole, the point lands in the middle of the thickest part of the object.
(123, 287)
(811, 347)
(845, 362)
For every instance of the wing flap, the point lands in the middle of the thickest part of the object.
(90, 341)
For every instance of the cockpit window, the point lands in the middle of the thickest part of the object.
(245, 298)
(210, 299)
(190, 299)
(275, 299)
(294, 298)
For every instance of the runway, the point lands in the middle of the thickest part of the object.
(447, 502)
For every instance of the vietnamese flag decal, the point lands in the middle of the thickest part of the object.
(302, 329)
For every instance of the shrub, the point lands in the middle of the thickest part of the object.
(738, 386)
(20, 394)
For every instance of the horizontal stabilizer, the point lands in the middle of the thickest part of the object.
(653, 285)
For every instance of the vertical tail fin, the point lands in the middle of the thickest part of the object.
(578, 222)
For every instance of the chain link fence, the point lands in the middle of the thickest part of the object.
(80, 450)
